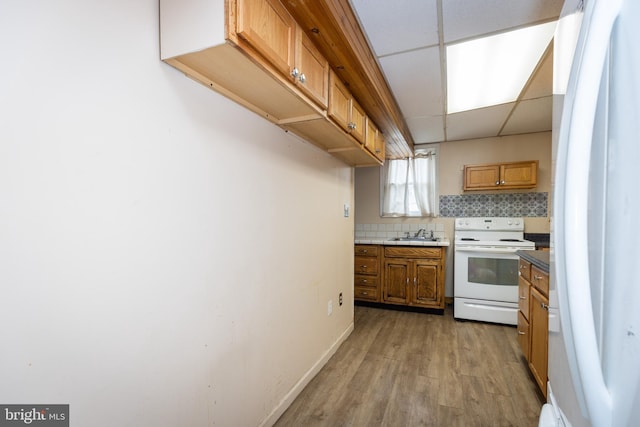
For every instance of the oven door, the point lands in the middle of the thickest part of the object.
(486, 273)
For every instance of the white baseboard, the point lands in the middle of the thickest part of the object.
(306, 378)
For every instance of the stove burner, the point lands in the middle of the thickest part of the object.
(510, 240)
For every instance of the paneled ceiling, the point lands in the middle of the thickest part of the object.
(409, 39)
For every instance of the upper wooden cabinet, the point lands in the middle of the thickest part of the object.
(335, 28)
(256, 54)
(345, 110)
(311, 70)
(501, 176)
(374, 141)
(270, 29)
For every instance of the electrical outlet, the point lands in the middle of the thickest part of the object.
(340, 299)
(329, 308)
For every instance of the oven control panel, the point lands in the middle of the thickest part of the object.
(490, 224)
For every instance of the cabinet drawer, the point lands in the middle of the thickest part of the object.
(523, 297)
(412, 252)
(367, 250)
(523, 335)
(524, 269)
(365, 293)
(540, 280)
(361, 280)
(366, 265)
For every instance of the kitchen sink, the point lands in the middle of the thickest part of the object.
(416, 239)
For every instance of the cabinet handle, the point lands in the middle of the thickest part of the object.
(544, 306)
(523, 297)
(302, 78)
(521, 333)
(537, 277)
(364, 293)
(363, 251)
(364, 280)
(295, 72)
(351, 125)
(415, 280)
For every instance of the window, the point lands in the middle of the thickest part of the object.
(409, 185)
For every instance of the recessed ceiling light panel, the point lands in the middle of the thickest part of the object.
(493, 70)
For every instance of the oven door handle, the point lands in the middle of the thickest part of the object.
(487, 250)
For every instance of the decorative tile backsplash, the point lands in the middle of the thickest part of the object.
(503, 204)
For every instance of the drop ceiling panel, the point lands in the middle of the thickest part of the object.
(414, 78)
(464, 19)
(404, 36)
(541, 84)
(529, 116)
(426, 129)
(399, 25)
(480, 123)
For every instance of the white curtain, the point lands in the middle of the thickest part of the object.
(409, 187)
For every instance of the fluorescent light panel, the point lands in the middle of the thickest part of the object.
(493, 70)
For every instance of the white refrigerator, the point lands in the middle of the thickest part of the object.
(594, 298)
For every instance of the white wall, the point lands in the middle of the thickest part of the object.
(166, 256)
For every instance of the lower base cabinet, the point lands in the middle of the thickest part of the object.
(400, 275)
(533, 320)
(414, 276)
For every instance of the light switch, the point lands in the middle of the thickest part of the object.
(347, 208)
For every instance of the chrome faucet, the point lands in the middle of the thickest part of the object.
(421, 231)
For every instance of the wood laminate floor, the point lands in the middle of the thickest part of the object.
(414, 369)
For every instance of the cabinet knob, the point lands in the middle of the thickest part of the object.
(364, 293)
(302, 78)
(497, 182)
(295, 72)
(351, 125)
(544, 306)
(502, 182)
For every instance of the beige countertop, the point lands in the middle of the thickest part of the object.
(388, 242)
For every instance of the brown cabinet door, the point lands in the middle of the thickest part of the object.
(371, 137)
(524, 338)
(519, 174)
(380, 147)
(539, 330)
(523, 297)
(339, 101)
(425, 289)
(358, 124)
(477, 177)
(270, 29)
(396, 279)
(312, 68)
